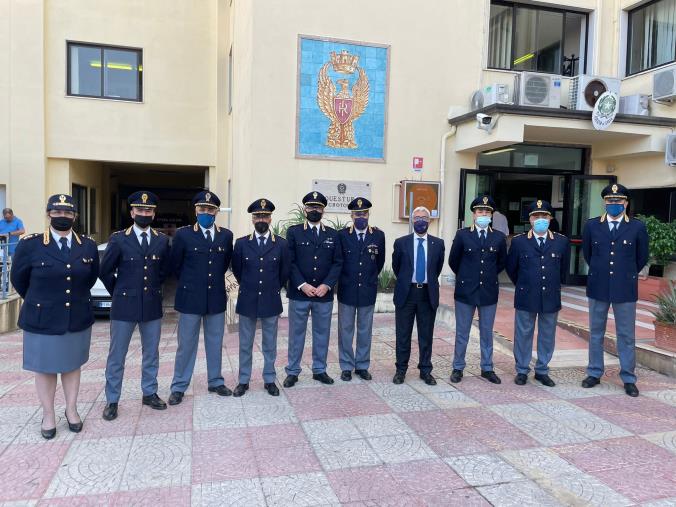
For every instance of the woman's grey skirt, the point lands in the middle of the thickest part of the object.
(56, 353)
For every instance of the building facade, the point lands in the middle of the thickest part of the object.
(246, 98)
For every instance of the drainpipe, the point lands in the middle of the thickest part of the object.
(442, 167)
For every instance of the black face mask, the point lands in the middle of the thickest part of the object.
(143, 221)
(261, 227)
(61, 223)
(314, 216)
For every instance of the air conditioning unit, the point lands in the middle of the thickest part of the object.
(496, 93)
(539, 90)
(670, 151)
(664, 84)
(586, 90)
(638, 104)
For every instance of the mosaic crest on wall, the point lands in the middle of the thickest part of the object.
(342, 99)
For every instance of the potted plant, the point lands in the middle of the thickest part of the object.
(661, 247)
(665, 319)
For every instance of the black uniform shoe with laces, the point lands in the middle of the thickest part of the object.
(631, 389)
(456, 376)
(545, 380)
(363, 374)
(399, 377)
(220, 390)
(322, 377)
(110, 412)
(346, 376)
(521, 379)
(175, 398)
(154, 402)
(271, 388)
(428, 378)
(240, 390)
(590, 382)
(491, 377)
(290, 380)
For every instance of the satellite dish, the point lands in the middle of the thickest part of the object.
(477, 100)
(593, 91)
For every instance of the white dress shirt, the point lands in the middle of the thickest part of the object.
(538, 236)
(478, 232)
(264, 236)
(57, 238)
(211, 230)
(415, 255)
(616, 219)
(138, 231)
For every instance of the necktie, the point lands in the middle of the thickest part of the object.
(261, 241)
(613, 229)
(316, 232)
(208, 235)
(64, 247)
(542, 242)
(482, 236)
(144, 241)
(361, 239)
(420, 262)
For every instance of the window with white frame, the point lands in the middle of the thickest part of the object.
(537, 39)
(651, 36)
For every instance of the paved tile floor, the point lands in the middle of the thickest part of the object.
(357, 443)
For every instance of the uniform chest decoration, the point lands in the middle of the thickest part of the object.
(328, 241)
(372, 249)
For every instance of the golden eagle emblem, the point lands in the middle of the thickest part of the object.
(614, 189)
(342, 107)
(207, 197)
(485, 199)
(62, 198)
(144, 198)
(263, 203)
(539, 204)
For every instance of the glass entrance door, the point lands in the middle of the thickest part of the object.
(473, 183)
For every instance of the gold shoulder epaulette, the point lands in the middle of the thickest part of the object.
(31, 236)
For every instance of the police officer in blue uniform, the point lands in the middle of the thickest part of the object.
(260, 263)
(477, 257)
(200, 256)
(537, 263)
(134, 266)
(53, 273)
(363, 250)
(316, 260)
(616, 249)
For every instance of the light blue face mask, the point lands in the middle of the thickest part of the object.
(482, 221)
(541, 225)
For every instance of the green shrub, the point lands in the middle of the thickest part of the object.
(662, 239)
(666, 305)
(386, 280)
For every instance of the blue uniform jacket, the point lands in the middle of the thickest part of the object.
(55, 289)
(538, 274)
(313, 260)
(200, 266)
(137, 288)
(614, 263)
(261, 273)
(402, 265)
(477, 268)
(358, 283)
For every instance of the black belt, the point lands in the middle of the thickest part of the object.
(419, 285)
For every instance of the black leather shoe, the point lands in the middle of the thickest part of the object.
(290, 380)
(323, 378)
(491, 377)
(175, 398)
(47, 434)
(521, 379)
(74, 427)
(363, 374)
(240, 389)
(110, 412)
(456, 376)
(545, 380)
(154, 402)
(631, 389)
(428, 378)
(399, 377)
(271, 388)
(590, 382)
(346, 375)
(221, 391)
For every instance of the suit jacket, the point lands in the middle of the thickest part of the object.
(200, 266)
(614, 263)
(362, 263)
(477, 267)
(137, 288)
(538, 273)
(261, 274)
(55, 288)
(402, 265)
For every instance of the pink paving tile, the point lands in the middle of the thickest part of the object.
(508, 437)
(456, 443)
(433, 421)
(398, 501)
(466, 497)
(421, 477)
(642, 483)
(26, 470)
(222, 454)
(153, 497)
(637, 451)
(640, 415)
(125, 424)
(79, 501)
(286, 460)
(277, 436)
(174, 418)
(591, 457)
(492, 394)
(363, 484)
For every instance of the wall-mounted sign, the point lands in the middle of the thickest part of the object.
(605, 110)
(339, 193)
(425, 193)
(417, 164)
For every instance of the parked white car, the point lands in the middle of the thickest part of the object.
(101, 299)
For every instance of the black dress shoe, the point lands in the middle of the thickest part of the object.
(399, 377)
(521, 379)
(175, 398)
(631, 389)
(346, 375)
(154, 402)
(240, 389)
(221, 391)
(47, 434)
(271, 388)
(590, 382)
(322, 377)
(456, 376)
(290, 380)
(428, 379)
(74, 427)
(491, 377)
(110, 412)
(545, 380)
(363, 374)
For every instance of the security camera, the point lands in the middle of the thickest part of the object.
(485, 122)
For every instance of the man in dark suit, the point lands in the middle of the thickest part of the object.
(134, 266)
(478, 255)
(417, 261)
(316, 261)
(537, 263)
(200, 256)
(616, 249)
(363, 248)
(260, 263)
